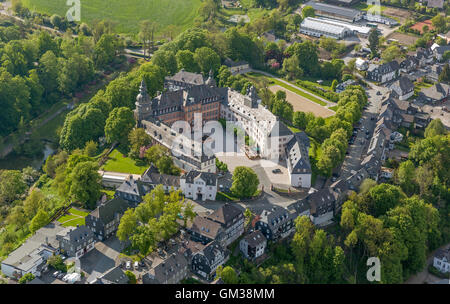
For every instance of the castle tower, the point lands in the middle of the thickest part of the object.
(211, 81)
(143, 104)
(253, 94)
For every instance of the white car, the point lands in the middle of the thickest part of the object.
(136, 265)
(66, 277)
(56, 273)
(128, 265)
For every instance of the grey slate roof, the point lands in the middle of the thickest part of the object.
(384, 68)
(255, 238)
(163, 270)
(107, 211)
(321, 202)
(114, 276)
(280, 129)
(404, 84)
(212, 250)
(275, 217)
(75, 234)
(442, 49)
(132, 186)
(187, 77)
(443, 253)
(152, 176)
(225, 214)
(209, 178)
(205, 227)
(437, 92)
(297, 153)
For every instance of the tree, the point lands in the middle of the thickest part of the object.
(207, 60)
(374, 39)
(56, 21)
(166, 60)
(300, 120)
(39, 220)
(381, 199)
(90, 149)
(131, 277)
(146, 34)
(245, 182)
(105, 50)
(56, 262)
(406, 175)
(12, 185)
(228, 275)
(28, 277)
(118, 125)
(138, 139)
(308, 11)
(33, 203)
(127, 225)
(391, 53)
(85, 183)
(160, 157)
(186, 61)
(439, 23)
(291, 68)
(436, 127)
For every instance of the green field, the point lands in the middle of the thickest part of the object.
(117, 162)
(127, 13)
(73, 218)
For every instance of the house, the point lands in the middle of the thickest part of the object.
(32, 255)
(232, 219)
(322, 206)
(361, 64)
(297, 158)
(446, 36)
(198, 185)
(387, 173)
(425, 56)
(114, 276)
(441, 260)
(105, 219)
(440, 51)
(316, 27)
(421, 120)
(132, 190)
(253, 245)
(383, 73)
(167, 271)
(205, 262)
(76, 242)
(204, 230)
(409, 64)
(435, 71)
(151, 177)
(372, 164)
(237, 67)
(343, 85)
(436, 93)
(183, 80)
(403, 87)
(275, 223)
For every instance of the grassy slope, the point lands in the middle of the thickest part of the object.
(118, 163)
(128, 13)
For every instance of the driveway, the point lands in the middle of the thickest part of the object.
(101, 259)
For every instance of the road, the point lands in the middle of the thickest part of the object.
(356, 152)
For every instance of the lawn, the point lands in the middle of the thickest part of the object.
(255, 76)
(117, 162)
(73, 218)
(128, 14)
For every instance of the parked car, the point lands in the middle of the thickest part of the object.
(378, 93)
(56, 273)
(128, 265)
(276, 171)
(367, 132)
(61, 275)
(367, 136)
(66, 277)
(136, 265)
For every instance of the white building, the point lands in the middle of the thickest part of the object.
(361, 64)
(297, 158)
(262, 126)
(441, 260)
(317, 28)
(253, 245)
(200, 186)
